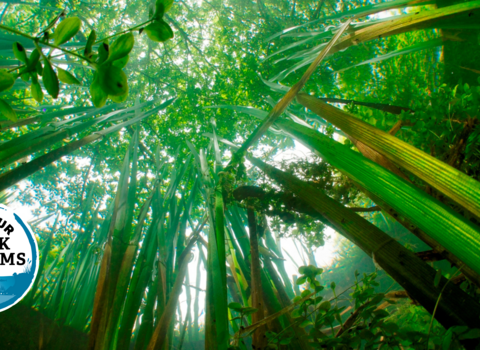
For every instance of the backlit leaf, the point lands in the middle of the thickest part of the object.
(19, 52)
(113, 80)
(99, 97)
(159, 31)
(121, 47)
(67, 77)
(162, 6)
(66, 30)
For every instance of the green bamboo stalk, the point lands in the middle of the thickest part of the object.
(159, 336)
(258, 338)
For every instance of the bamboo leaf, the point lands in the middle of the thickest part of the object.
(414, 48)
(440, 222)
(460, 187)
(401, 264)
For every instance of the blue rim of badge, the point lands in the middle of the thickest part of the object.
(33, 271)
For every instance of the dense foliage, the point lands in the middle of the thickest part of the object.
(121, 128)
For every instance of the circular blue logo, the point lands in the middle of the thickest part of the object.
(18, 258)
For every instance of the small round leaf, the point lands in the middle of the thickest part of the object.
(159, 31)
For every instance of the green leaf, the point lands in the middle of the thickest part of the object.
(67, 77)
(103, 49)
(122, 62)
(381, 313)
(121, 47)
(437, 220)
(119, 99)
(33, 60)
(249, 310)
(438, 276)
(326, 305)
(235, 306)
(447, 339)
(301, 280)
(471, 334)
(66, 30)
(7, 111)
(6, 80)
(39, 68)
(99, 97)
(305, 293)
(159, 31)
(285, 341)
(19, 52)
(306, 323)
(113, 80)
(332, 285)
(296, 313)
(89, 46)
(162, 6)
(50, 79)
(36, 91)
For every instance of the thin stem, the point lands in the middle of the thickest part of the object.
(436, 306)
(123, 32)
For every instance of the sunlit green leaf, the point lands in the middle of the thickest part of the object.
(159, 31)
(121, 47)
(66, 30)
(161, 7)
(67, 77)
(19, 52)
(99, 97)
(113, 80)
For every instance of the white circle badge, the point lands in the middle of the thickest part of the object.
(18, 258)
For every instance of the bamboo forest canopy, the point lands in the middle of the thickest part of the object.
(167, 149)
